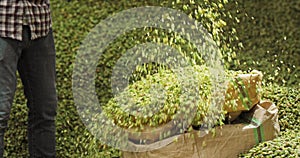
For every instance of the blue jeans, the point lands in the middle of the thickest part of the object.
(35, 62)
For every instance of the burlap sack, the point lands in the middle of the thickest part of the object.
(257, 125)
(243, 91)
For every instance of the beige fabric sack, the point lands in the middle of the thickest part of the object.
(243, 91)
(257, 125)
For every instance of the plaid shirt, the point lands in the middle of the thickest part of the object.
(16, 13)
